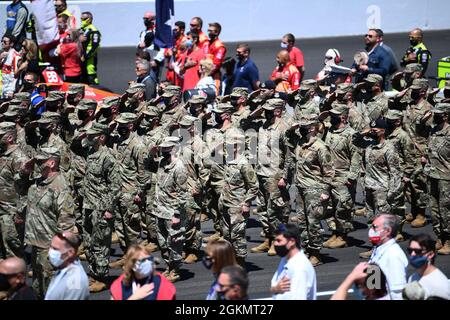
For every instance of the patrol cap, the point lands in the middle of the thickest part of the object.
(223, 108)
(108, 102)
(441, 108)
(135, 87)
(197, 99)
(15, 102)
(308, 84)
(373, 78)
(187, 120)
(22, 96)
(274, 103)
(55, 96)
(49, 117)
(76, 89)
(234, 136)
(169, 142)
(340, 109)
(98, 128)
(268, 84)
(6, 127)
(419, 84)
(343, 88)
(87, 104)
(171, 91)
(413, 67)
(14, 111)
(126, 118)
(47, 153)
(380, 123)
(309, 119)
(394, 114)
(239, 92)
(151, 111)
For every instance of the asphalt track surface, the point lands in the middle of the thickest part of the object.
(116, 67)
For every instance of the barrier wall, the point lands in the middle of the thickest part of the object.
(120, 21)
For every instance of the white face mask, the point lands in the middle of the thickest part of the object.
(284, 45)
(144, 268)
(54, 256)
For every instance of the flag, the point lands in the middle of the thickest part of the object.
(165, 10)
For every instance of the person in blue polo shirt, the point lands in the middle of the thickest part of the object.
(246, 73)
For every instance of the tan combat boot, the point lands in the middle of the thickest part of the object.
(340, 242)
(263, 247)
(191, 258)
(117, 264)
(409, 217)
(366, 255)
(420, 220)
(114, 238)
(361, 212)
(174, 275)
(272, 251)
(327, 243)
(215, 236)
(438, 245)
(314, 258)
(95, 285)
(445, 250)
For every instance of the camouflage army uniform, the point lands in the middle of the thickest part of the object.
(100, 196)
(132, 104)
(376, 107)
(174, 115)
(50, 209)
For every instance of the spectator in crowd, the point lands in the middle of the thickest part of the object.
(28, 62)
(70, 281)
(70, 53)
(29, 82)
(417, 52)
(332, 58)
(395, 65)
(295, 54)
(173, 54)
(286, 76)
(368, 282)
(218, 255)
(16, 21)
(178, 64)
(206, 81)
(228, 77)
(246, 72)
(387, 254)
(232, 284)
(90, 40)
(9, 62)
(216, 51)
(146, 76)
(140, 280)
(147, 36)
(191, 66)
(63, 27)
(295, 278)
(12, 280)
(196, 26)
(61, 9)
(422, 255)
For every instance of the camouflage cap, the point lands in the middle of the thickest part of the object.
(373, 78)
(55, 96)
(169, 142)
(223, 108)
(274, 103)
(47, 153)
(108, 102)
(380, 123)
(15, 102)
(340, 109)
(234, 136)
(49, 117)
(22, 96)
(171, 91)
(6, 127)
(309, 119)
(87, 104)
(343, 88)
(239, 92)
(420, 84)
(151, 111)
(393, 114)
(126, 118)
(135, 87)
(76, 89)
(308, 84)
(441, 108)
(187, 120)
(98, 128)
(13, 111)
(413, 67)
(197, 99)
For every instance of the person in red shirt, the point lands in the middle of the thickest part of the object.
(173, 54)
(70, 54)
(217, 51)
(190, 69)
(296, 55)
(286, 76)
(197, 25)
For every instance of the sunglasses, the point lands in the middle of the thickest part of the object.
(194, 25)
(418, 252)
(369, 36)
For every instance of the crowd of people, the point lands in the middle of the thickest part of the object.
(148, 168)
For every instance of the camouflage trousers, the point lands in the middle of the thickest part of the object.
(213, 195)
(273, 205)
(315, 211)
(97, 242)
(342, 202)
(149, 220)
(10, 243)
(42, 271)
(377, 202)
(78, 207)
(440, 207)
(171, 241)
(128, 221)
(193, 241)
(416, 193)
(234, 225)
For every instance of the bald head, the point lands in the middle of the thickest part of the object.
(13, 265)
(283, 57)
(416, 33)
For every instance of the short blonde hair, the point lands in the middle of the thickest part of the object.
(130, 260)
(208, 66)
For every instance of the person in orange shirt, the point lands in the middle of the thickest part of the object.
(286, 76)
(196, 26)
(217, 51)
(296, 55)
(173, 55)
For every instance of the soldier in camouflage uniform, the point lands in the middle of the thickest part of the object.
(238, 99)
(377, 106)
(438, 171)
(50, 209)
(100, 195)
(69, 117)
(314, 175)
(171, 196)
(404, 79)
(347, 162)
(108, 110)
(55, 101)
(306, 103)
(383, 179)
(173, 110)
(239, 190)
(133, 100)
(14, 187)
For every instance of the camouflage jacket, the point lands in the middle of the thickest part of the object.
(215, 156)
(408, 154)
(417, 126)
(376, 107)
(55, 141)
(240, 117)
(310, 107)
(173, 116)
(438, 166)
(50, 209)
(192, 153)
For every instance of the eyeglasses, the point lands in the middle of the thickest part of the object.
(62, 236)
(375, 227)
(418, 252)
(369, 36)
(193, 25)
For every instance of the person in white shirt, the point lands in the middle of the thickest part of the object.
(9, 61)
(387, 254)
(206, 81)
(295, 278)
(422, 254)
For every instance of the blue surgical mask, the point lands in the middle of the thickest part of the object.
(358, 293)
(284, 45)
(188, 44)
(54, 256)
(144, 268)
(418, 261)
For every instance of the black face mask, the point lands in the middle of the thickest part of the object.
(212, 37)
(446, 93)
(221, 295)
(148, 23)
(51, 107)
(438, 119)
(240, 57)
(234, 101)
(122, 131)
(4, 284)
(374, 136)
(44, 132)
(281, 251)
(415, 95)
(166, 154)
(269, 114)
(207, 262)
(83, 115)
(390, 126)
(335, 121)
(193, 111)
(107, 113)
(218, 118)
(413, 42)
(28, 86)
(304, 132)
(167, 101)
